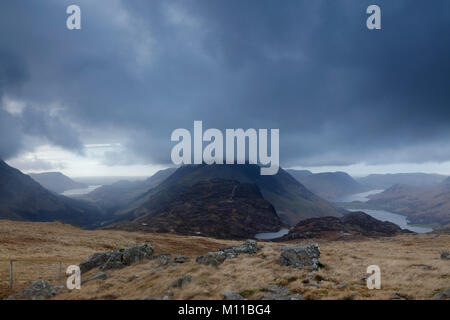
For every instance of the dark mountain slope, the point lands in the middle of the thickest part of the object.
(217, 208)
(292, 201)
(354, 224)
(56, 181)
(421, 205)
(22, 198)
(299, 174)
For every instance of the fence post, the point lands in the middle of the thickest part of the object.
(11, 274)
(60, 274)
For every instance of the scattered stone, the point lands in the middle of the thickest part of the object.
(117, 259)
(231, 295)
(342, 285)
(276, 292)
(444, 295)
(398, 297)
(181, 282)
(181, 259)
(133, 277)
(212, 258)
(311, 283)
(300, 256)
(97, 276)
(445, 255)
(163, 258)
(38, 290)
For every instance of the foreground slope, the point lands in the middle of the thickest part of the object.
(22, 198)
(292, 201)
(411, 265)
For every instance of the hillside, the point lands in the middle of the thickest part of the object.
(332, 185)
(299, 174)
(384, 181)
(217, 208)
(420, 205)
(354, 224)
(119, 194)
(292, 201)
(56, 181)
(22, 198)
(411, 265)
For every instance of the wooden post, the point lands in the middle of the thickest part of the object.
(60, 273)
(10, 274)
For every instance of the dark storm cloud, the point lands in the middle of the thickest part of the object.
(339, 93)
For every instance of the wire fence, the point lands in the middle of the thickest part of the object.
(16, 275)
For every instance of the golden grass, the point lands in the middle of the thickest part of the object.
(410, 265)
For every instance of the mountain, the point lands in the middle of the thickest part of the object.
(292, 201)
(384, 181)
(331, 185)
(299, 174)
(351, 225)
(421, 205)
(22, 198)
(56, 181)
(225, 209)
(114, 196)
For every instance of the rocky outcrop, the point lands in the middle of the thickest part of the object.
(231, 295)
(216, 258)
(212, 258)
(444, 295)
(300, 256)
(182, 282)
(276, 292)
(97, 276)
(38, 290)
(117, 259)
(181, 259)
(445, 255)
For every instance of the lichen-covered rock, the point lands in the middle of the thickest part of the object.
(182, 282)
(231, 295)
(212, 258)
(181, 259)
(444, 295)
(97, 276)
(445, 255)
(276, 292)
(38, 290)
(249, 247)
(300, 256)
(118, 258)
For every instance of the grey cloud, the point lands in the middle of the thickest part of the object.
(339, 94)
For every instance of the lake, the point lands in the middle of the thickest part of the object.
(363, 196)
(271, 235)
(77, 192)
(398, 219)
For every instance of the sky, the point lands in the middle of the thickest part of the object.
(105, 99)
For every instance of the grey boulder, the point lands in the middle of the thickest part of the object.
(300, 256)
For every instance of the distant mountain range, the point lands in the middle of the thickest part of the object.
(384, 181)
(421, 205)
(354, 224)
(292, 201)
(56, 181)
(218, 208)
(328, 185)
(22, 198)
(119, 194)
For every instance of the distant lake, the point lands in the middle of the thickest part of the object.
(271, 235)
(77, 192)
(398, 219)
(363, 197)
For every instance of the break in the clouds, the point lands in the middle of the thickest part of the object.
(339, 93)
